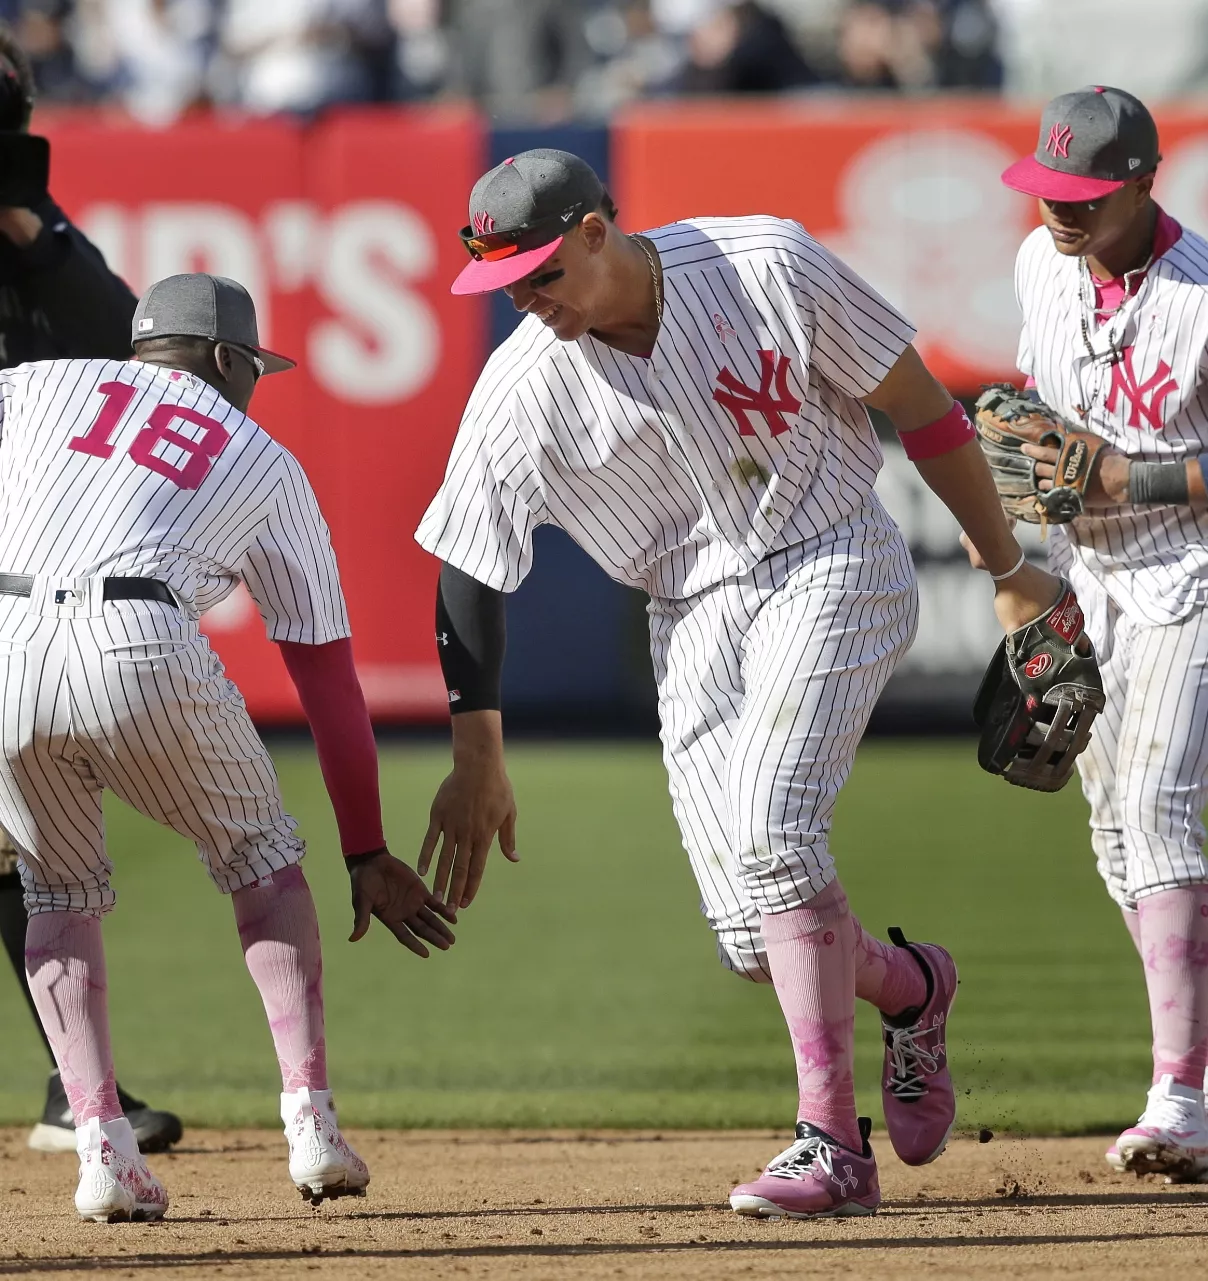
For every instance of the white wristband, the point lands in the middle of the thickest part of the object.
(998, 578)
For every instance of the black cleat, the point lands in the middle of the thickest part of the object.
(55, 1132)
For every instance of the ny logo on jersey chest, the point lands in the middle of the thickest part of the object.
(1144, 401)
(772, 398)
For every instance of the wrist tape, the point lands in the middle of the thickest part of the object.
(1157, 483)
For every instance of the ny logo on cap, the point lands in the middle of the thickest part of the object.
(1060, 137)
(483, 222)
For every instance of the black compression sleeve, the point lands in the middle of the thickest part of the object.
(471, 636)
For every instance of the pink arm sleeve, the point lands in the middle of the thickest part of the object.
(331, 696)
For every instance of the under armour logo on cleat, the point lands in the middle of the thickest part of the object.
(849, 1180)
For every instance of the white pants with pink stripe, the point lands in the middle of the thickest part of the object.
(766, 683)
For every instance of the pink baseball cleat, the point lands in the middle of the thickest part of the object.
(1170, 1138)
(814, 1178)
(916, 1087)
(115, 1185)
(321, 1163)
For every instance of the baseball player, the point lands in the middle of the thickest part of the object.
(689, 405)
(1114, 295)
(133, 495)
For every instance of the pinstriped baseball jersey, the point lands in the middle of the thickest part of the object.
(112, 468)
(1151, 402)
(742, 434)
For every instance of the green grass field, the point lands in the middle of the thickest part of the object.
(584, 989)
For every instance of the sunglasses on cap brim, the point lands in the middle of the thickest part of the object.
(491, 246)
(248, 354)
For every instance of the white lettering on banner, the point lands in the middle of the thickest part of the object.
(384, 344)
(381, 345)
(927, 222)
(179, 237)
(293, 228)
(958, 631)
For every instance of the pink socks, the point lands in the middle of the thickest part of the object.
(1173, 927)
(65, 961)
(811, 951)
(889, 977)
(280, 936)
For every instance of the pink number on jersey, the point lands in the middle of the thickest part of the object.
(95, 440)
(202, 452)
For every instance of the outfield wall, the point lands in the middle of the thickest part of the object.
(345, 231)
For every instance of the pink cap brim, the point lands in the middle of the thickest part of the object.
(479, 276)
(1034, 179)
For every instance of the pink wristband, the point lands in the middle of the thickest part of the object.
(940, 437)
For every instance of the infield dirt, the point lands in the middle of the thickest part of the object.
(552, 1205)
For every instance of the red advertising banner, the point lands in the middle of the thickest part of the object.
(344, 231)
(907, 192)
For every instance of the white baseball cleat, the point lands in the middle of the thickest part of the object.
(1170, 1138)
(115, 1184)
(321, 1163)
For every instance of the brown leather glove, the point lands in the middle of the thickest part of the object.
(1006, 420)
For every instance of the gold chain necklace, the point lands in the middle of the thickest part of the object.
(654, 276)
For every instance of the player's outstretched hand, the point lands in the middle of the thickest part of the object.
(385, 887)
(473, 805)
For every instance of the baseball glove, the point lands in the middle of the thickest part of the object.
(1006, 420)
(1038, 699)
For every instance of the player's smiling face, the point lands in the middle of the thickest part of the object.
(561, 293)
(1089, 228)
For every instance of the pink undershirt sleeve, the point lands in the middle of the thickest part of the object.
(331, 697)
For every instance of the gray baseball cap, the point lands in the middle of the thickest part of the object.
(1092, 142)
(202, 306)
(519, 213)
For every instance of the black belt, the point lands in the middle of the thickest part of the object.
(114, 589)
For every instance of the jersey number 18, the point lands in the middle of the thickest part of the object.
(157, 427)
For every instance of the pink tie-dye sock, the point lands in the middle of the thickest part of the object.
(889, 977)
(280, 936)
(65, 962)
(811, 953)
(1174, 947)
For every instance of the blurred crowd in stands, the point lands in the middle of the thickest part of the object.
(546, 61)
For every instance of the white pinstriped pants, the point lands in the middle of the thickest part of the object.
(766, 683)
(1145, 772)
(126, 695)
